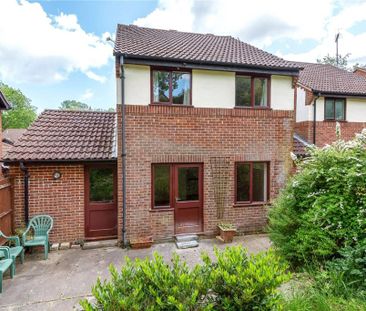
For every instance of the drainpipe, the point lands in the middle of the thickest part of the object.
(24, 169)
(124, 241)
(314, 121)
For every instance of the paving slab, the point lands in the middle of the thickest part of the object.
(67, 276)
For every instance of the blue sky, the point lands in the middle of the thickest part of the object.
(56, 50)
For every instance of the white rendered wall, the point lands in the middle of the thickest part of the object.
(356, 110)
(137, 85)
(303, 112)
(215, 89)
(282, 93)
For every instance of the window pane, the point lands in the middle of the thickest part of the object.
(101, 185)
(188, 189)
(161, 86)
(329, 109)
(339, 109)
(242, 91)
(260, 92)
(161, 185)
(181, 88)
(242, 182)
(259, 182)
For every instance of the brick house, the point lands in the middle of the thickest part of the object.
(208, 131)
(327, 95)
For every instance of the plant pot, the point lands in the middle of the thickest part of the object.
(141, 243)
(226, 235)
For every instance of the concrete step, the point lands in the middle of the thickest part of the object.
(186, 238)
(99, 244)
(186, 244)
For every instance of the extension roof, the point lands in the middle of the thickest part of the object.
(4, 104)
(61, 135)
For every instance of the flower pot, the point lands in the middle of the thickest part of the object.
(226, 234)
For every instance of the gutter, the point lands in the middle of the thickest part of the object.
(24, 169)
(123, 112)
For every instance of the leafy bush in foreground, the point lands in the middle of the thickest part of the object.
(322, 211)
(234, 281)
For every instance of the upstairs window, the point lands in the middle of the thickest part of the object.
(251, 182)
(252, 92)
(171, 87)
(335, 109)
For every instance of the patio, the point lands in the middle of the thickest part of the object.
(67, 276)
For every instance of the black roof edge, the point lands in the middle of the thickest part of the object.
(158, 61)
(10, 161)
(4, 104)
(338, 94)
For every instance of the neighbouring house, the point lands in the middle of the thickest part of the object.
(361, 71)
(67, 162)
(9, 138)
(327, 95)
(206, 127)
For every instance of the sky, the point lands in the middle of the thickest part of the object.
(56, 50)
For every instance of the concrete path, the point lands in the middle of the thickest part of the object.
(67, 276)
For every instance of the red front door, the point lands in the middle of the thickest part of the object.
(100, 202)
(188, 198)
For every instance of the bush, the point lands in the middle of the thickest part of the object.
(322, 210)
(232, 282)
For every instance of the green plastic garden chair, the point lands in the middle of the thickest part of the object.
(41, 226)
(15, 250)
(5, 264)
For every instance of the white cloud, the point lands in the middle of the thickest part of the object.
(36, 47)
(88, 94)
(264, 22)
(91, 75)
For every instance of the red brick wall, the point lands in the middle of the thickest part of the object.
(63, 199)
(158, 134)
(326, 131)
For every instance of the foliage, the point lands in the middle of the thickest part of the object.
(232, 282)
(332, 60)
(22, 113)
(322, 209)
(226, 226)
(73, 105)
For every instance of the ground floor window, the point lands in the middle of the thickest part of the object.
(251, 182)
(161, 185)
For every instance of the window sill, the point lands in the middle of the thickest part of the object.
(253, 108)
(340, 121)
(171, 105)
(238, 205)
(162, 209)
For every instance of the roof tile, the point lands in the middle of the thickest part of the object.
(67, 135)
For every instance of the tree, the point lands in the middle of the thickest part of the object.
(332, 60)
(73, 105)
(22, 114)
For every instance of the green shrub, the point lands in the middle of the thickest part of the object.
(322, 210)
(232, 282)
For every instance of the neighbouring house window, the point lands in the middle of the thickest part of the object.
(161, 184)
(171, 87)
(251, 91)
(335, 109)
(251, 182)
(101, 183)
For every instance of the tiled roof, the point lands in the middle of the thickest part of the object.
(193, 47)
(12, 135)
(332, 80)
(67, 135)
(4, 105)
(300, 146)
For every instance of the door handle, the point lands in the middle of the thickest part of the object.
(176, 199)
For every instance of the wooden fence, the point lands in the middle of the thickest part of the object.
(6, 208)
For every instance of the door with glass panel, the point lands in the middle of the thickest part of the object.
(100, 202)
(188, 198)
